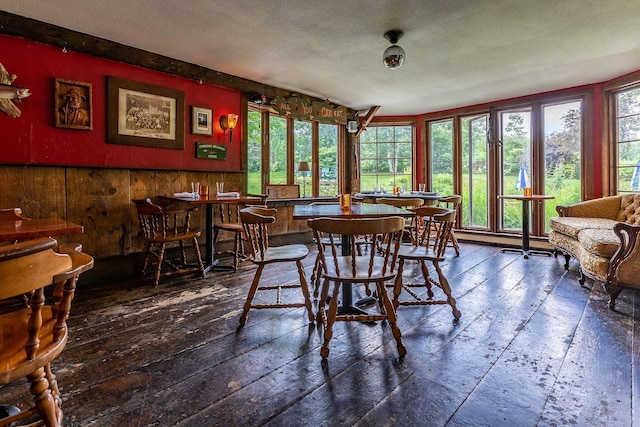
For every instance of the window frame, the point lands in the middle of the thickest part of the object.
(609, 130)
(414, 144)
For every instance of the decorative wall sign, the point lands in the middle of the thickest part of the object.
(211, 151)
(143, 114)
(300, 108)
(201, 120)
(73, 104)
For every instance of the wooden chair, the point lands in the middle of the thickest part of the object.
(33, 336)
(440, 222)
(452, 202)
(162, 225)
(361, 241)
(255, 220)
(405, 203)
(353, 268)
(227, 218)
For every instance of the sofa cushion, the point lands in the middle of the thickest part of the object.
(571, 226)
(630, 209)
(599, 242)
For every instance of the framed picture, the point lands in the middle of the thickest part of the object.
(73, 104)
(201, 118)
(143, 114)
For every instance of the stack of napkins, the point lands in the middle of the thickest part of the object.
(229, 194)
(187, 195)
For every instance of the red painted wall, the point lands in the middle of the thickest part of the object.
(32, 138)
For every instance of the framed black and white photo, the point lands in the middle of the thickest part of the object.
(143, 114)
(201, 121)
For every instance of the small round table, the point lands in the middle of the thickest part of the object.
(526, 201)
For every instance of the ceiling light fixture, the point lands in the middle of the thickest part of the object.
(394, 55)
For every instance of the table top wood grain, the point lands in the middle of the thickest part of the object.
(34, 228)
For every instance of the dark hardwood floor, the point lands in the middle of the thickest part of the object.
(533, 348)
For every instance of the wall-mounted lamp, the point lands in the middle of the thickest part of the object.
(229, 123)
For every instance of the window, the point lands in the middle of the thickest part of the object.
(328, 159)
(515, 134)
(562, 130)
(254, 153)
(441, 147)
(275, 153)
(627, 139)
(302, 136)
(386, 154)
(475, 172)
(277, 150)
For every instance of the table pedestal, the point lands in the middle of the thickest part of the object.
(525, 250)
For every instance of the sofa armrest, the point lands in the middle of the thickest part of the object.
(606, 207)
(624, 269)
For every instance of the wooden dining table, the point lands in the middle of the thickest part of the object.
(210, 261)
(356, 211)
(34, 228)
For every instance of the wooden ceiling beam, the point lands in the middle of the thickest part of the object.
(367, 119)
(42, 32)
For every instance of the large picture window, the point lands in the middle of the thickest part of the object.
(386, 154)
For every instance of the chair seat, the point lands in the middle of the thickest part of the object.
(363, 273)
(229, 227)
(169, 238)
(13, 363)
(284, 253)
(418, 253)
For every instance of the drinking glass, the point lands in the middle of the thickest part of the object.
(220, 187)
(422, 186)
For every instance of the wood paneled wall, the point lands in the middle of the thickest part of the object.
(100, 200)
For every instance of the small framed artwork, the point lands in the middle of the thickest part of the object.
(201, 120)
(73, 105)
(143, 114)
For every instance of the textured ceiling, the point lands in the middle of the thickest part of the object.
(459, 52)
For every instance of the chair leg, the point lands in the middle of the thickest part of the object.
(160, 257)
(55, 392)
(454, 242)
(425, 274)
(391, 318)
(331, 318)
(397, 285)
(196, 249)
(44, 401)
(251, 294)
(305, 290)
(146, 258)
(444, 284)
(236, 250)
(315, 276)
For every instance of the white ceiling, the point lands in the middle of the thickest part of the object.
(459, 52)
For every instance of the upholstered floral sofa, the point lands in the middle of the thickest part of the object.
(604, 236)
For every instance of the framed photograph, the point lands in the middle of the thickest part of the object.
(201, 118)
(73, 104)
(143, 114)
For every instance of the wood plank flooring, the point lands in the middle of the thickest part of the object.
(533, 348)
